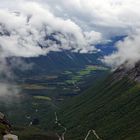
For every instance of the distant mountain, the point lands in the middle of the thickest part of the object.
(112, 108)
(56, 62)
(64, 60)
(60, 60)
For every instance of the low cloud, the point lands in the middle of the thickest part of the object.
(8, 90)
(36, 27)
(128, 52)
(109, 18)
(7, 85)
(34, 31)
(30, 30)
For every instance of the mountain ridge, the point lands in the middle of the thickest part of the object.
(111, 108)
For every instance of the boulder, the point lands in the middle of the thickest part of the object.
(10, 137)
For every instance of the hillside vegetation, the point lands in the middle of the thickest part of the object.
(111, 108)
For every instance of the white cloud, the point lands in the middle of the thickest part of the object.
(128, 52)
(108, 16)
(78, 23)
(6, 79)
(7, 89)
(25, 31)
(28, 27)
(93, 37)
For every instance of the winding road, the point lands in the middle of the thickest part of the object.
(62, 136)
(94, 133)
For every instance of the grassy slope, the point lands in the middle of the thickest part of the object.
(33, 133)
(111, 108)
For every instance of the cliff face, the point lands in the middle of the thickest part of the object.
(132, 72)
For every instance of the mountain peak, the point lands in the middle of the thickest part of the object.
(132, 72)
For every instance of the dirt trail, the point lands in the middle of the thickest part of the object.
(60, 136)
(94, 133)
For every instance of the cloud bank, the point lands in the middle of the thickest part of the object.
(34, 31)
(110, 18)
(30, 28)
(128, 52)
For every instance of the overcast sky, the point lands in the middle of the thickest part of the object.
(87, 21)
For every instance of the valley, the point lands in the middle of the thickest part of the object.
(69, 70)
(65, 84)
(43, 94)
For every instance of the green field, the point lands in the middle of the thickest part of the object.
(45, 94)
(33, 86)
(84, 72)
(43, 98)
